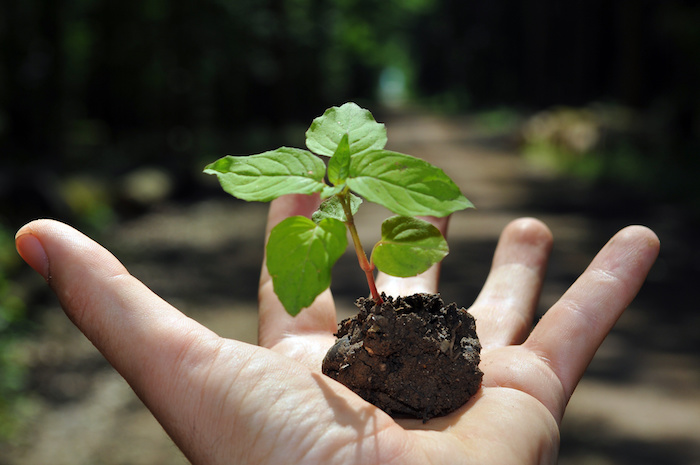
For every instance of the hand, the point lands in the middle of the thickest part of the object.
(224, 401)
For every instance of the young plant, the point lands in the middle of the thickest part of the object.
(300, 251)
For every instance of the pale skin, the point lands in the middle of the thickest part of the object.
(227, 402)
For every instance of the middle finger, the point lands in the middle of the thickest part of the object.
(505, 308)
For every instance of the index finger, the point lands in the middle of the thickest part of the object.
(274, 322)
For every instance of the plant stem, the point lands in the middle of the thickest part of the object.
(365, 265)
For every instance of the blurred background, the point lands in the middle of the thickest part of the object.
(585, 114)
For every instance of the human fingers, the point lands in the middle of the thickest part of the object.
(129, 324)
(426, 282)
(153, 346)
(275, 323)
(569, 334)
(212, 395)
(506, 305)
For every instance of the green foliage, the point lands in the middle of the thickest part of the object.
(300, 255)
(300, 251)
(362, 131)
(333, 207)
(404, 184)
(269, 175)
(339, 164)
(408, 246)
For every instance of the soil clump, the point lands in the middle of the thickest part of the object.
(411, 356)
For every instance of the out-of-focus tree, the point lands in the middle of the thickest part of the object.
(109, 86)
(106, 87)
(81, 74)
(641, 57)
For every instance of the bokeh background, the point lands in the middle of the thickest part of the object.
(583, 113)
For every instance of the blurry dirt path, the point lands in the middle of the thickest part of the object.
(638, 404)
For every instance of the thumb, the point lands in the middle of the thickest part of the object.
(120, 315)
(143, 337)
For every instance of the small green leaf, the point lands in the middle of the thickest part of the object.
(408, 247)
(405, 185)
(364, 133)
(329, 191)
(333, 208)
(339, 164)
(300, 255)
(269, 175)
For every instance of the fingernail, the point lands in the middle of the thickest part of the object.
(32, 252)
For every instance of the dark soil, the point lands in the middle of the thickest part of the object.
(411, 356)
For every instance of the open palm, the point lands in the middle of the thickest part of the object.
(227, 402)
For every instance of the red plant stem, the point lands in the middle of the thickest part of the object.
(365, 265)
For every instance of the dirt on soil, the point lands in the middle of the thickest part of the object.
(413, 356)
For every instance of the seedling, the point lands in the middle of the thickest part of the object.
(301, 251)
(423, 355)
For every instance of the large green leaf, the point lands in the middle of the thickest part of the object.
(300, 255)
(332, 207)
(405, 185)
(364, 133)
(269, 175)
(408, 246)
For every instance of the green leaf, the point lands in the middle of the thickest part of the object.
(330, 191)
(408, 247)
(405, 185)
(300, 255)
(333, 208)
(364, 133)
(269, 175)
(339, 164)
